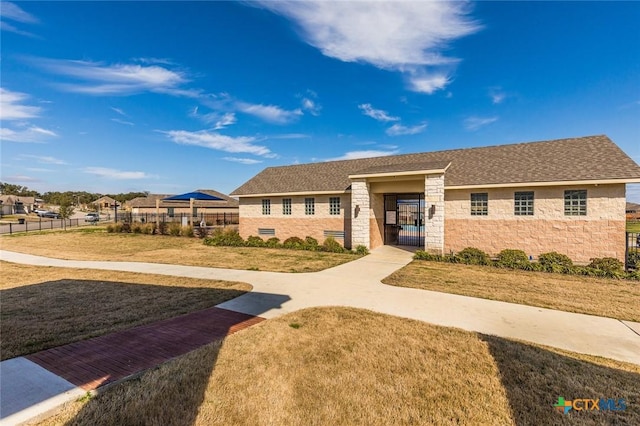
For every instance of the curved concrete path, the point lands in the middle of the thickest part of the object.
(357, 284)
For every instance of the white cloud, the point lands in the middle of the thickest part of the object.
(353, 155)
(270, 113)
(404, 36)
(214, 140)
(497, 95)
(119, 111)
(227, 119)
(116, 174)
(428, 84)
(116, 79)
(311, 106)
(30, 134)
(399, 129)
(242, 160)
(13, 12)
(12, 107)
(376, 114)
(474, 123)
(21, 179)
(119, 121)
(45, 159)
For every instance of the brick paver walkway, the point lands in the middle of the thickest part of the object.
(96, 362)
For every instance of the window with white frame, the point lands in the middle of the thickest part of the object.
(523, 203)
(480, 204)
(266, 207)
(334, 205)
(286, 206)
(575, 202)
(309, 206)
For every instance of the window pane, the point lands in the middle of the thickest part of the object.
(286, 206)
(523, 203)
(334, 205)
(575, 202)
(266, 207)
(309, 206)
(480, 204)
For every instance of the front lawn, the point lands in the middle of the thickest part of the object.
(44, 307)
(344, 366)
(633, 226)
(587, 295)
(100, 245)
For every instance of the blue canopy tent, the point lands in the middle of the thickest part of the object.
(196, 196)
(191, 197)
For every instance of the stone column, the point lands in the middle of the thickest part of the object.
(360, 213)
(434, 214)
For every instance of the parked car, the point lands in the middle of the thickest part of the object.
(52, 215)
(40, 212)
(92, 217)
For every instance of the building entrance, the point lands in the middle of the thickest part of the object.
(404, 219)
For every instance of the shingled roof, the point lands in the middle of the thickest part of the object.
(575, 159)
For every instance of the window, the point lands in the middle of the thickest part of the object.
(309, 206)
(266, 207)
(575, 202)
(523, 203)
(170, 211)
(334, 205)
(286, 206)
(480, 204)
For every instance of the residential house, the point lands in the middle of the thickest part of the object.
(633, 211)
(565, 195)
(14, 204)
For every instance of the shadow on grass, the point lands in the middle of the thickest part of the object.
(54, 313)
(170, 396)
(534, 378)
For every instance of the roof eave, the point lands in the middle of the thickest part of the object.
(553, 183)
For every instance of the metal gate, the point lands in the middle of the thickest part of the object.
(632, 255)
(404, 219)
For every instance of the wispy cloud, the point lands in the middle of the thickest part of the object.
(353, 155)
(242, 160)
(474, 123)
(28, 134)
(42, 159)
(497, 95)
(13, 12)
(288, 136)
(270, 113)
(12, 106)
(214, 140)
(399, 129)
(39, 170)
(95, 78)
(407, 37)
(219, 120)
(115, 174)
(119, 111)
(120, 121)
(21, 179)
(377, 114)
(311, 106)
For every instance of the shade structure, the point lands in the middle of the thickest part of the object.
(197, 196)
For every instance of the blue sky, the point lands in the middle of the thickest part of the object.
(172, 96)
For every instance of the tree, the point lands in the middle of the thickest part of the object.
(65, 212)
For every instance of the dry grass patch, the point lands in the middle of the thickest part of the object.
(344, 366)
(44, 307)
(586, 295)
(93, 245)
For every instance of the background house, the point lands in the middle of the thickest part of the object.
(14, 204)
(633, 211)
(564, 195)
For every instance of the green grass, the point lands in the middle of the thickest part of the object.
(633, 226)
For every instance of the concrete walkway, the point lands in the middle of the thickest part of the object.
(357, 284)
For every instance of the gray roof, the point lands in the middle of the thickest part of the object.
(574, 159)
(150, 201)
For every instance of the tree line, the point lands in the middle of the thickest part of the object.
(66, 198)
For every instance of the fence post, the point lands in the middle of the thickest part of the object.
(10, 228)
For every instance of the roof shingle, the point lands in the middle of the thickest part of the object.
(574, 159)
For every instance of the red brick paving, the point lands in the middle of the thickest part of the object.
(96, 362)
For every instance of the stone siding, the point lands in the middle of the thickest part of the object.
(360, 234)
(601, 233)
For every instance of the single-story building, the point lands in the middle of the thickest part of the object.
(15, 204)
(105, 203)
(216, 203)
(565, 195)
(633, 211)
